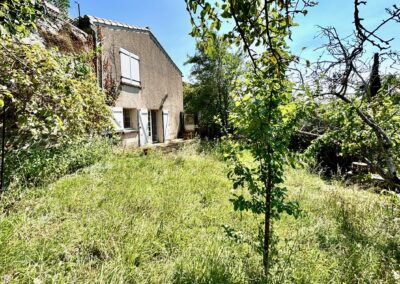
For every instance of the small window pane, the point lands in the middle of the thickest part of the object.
(127, 118)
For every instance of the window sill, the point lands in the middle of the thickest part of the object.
(130, 83)
(129, 130)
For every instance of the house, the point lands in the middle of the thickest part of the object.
(145, 82)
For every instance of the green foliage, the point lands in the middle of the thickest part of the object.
(354, 139)
(51, 100)
(265, 113)
(266, 130)
(35, 166)
(340, 73)
(18, 17)
(160, 219)
(213, 74)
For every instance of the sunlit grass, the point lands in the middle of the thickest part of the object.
(158, 219)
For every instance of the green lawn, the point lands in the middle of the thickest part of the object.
(159, 218)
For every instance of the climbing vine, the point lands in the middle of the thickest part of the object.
(48, 100)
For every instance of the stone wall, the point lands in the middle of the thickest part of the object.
(54, 31)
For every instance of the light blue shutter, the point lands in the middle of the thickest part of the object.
(129, 68)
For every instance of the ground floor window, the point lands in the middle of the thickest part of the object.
(127, 118)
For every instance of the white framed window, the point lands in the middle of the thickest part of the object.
(129, 68)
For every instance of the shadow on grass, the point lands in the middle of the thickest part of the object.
(367, 251)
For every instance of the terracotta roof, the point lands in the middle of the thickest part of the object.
(111, 23)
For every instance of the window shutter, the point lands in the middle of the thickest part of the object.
(118, 118)
(143, 127)
(135, 69)
(129, 67)
(165, 125)
(125, 66)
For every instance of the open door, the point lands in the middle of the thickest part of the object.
(144, 127)
(165, 120)
(154, 126)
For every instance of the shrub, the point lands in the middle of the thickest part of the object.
(35, 166)
(343, 136)
(53, 109)
(50, 99)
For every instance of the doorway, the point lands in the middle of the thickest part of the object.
(154, 126)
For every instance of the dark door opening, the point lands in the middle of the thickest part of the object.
(154, 126)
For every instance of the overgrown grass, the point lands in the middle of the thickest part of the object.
(159, 219)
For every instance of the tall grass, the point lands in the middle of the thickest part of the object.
(160, 218)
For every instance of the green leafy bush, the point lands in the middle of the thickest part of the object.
(345, 138)
(52, 105)
(213, 74)
(37, 165)
(18, 17)
(50, 99)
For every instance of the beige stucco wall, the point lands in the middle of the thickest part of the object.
(159, 77)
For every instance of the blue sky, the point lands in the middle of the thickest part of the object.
(169, 21)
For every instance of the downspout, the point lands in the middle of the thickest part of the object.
(94, 36)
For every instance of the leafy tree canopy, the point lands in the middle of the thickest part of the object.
(213, 76)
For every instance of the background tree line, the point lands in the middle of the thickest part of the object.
(213, 76)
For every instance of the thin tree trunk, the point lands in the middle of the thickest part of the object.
(267, 221)
(3, 142)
